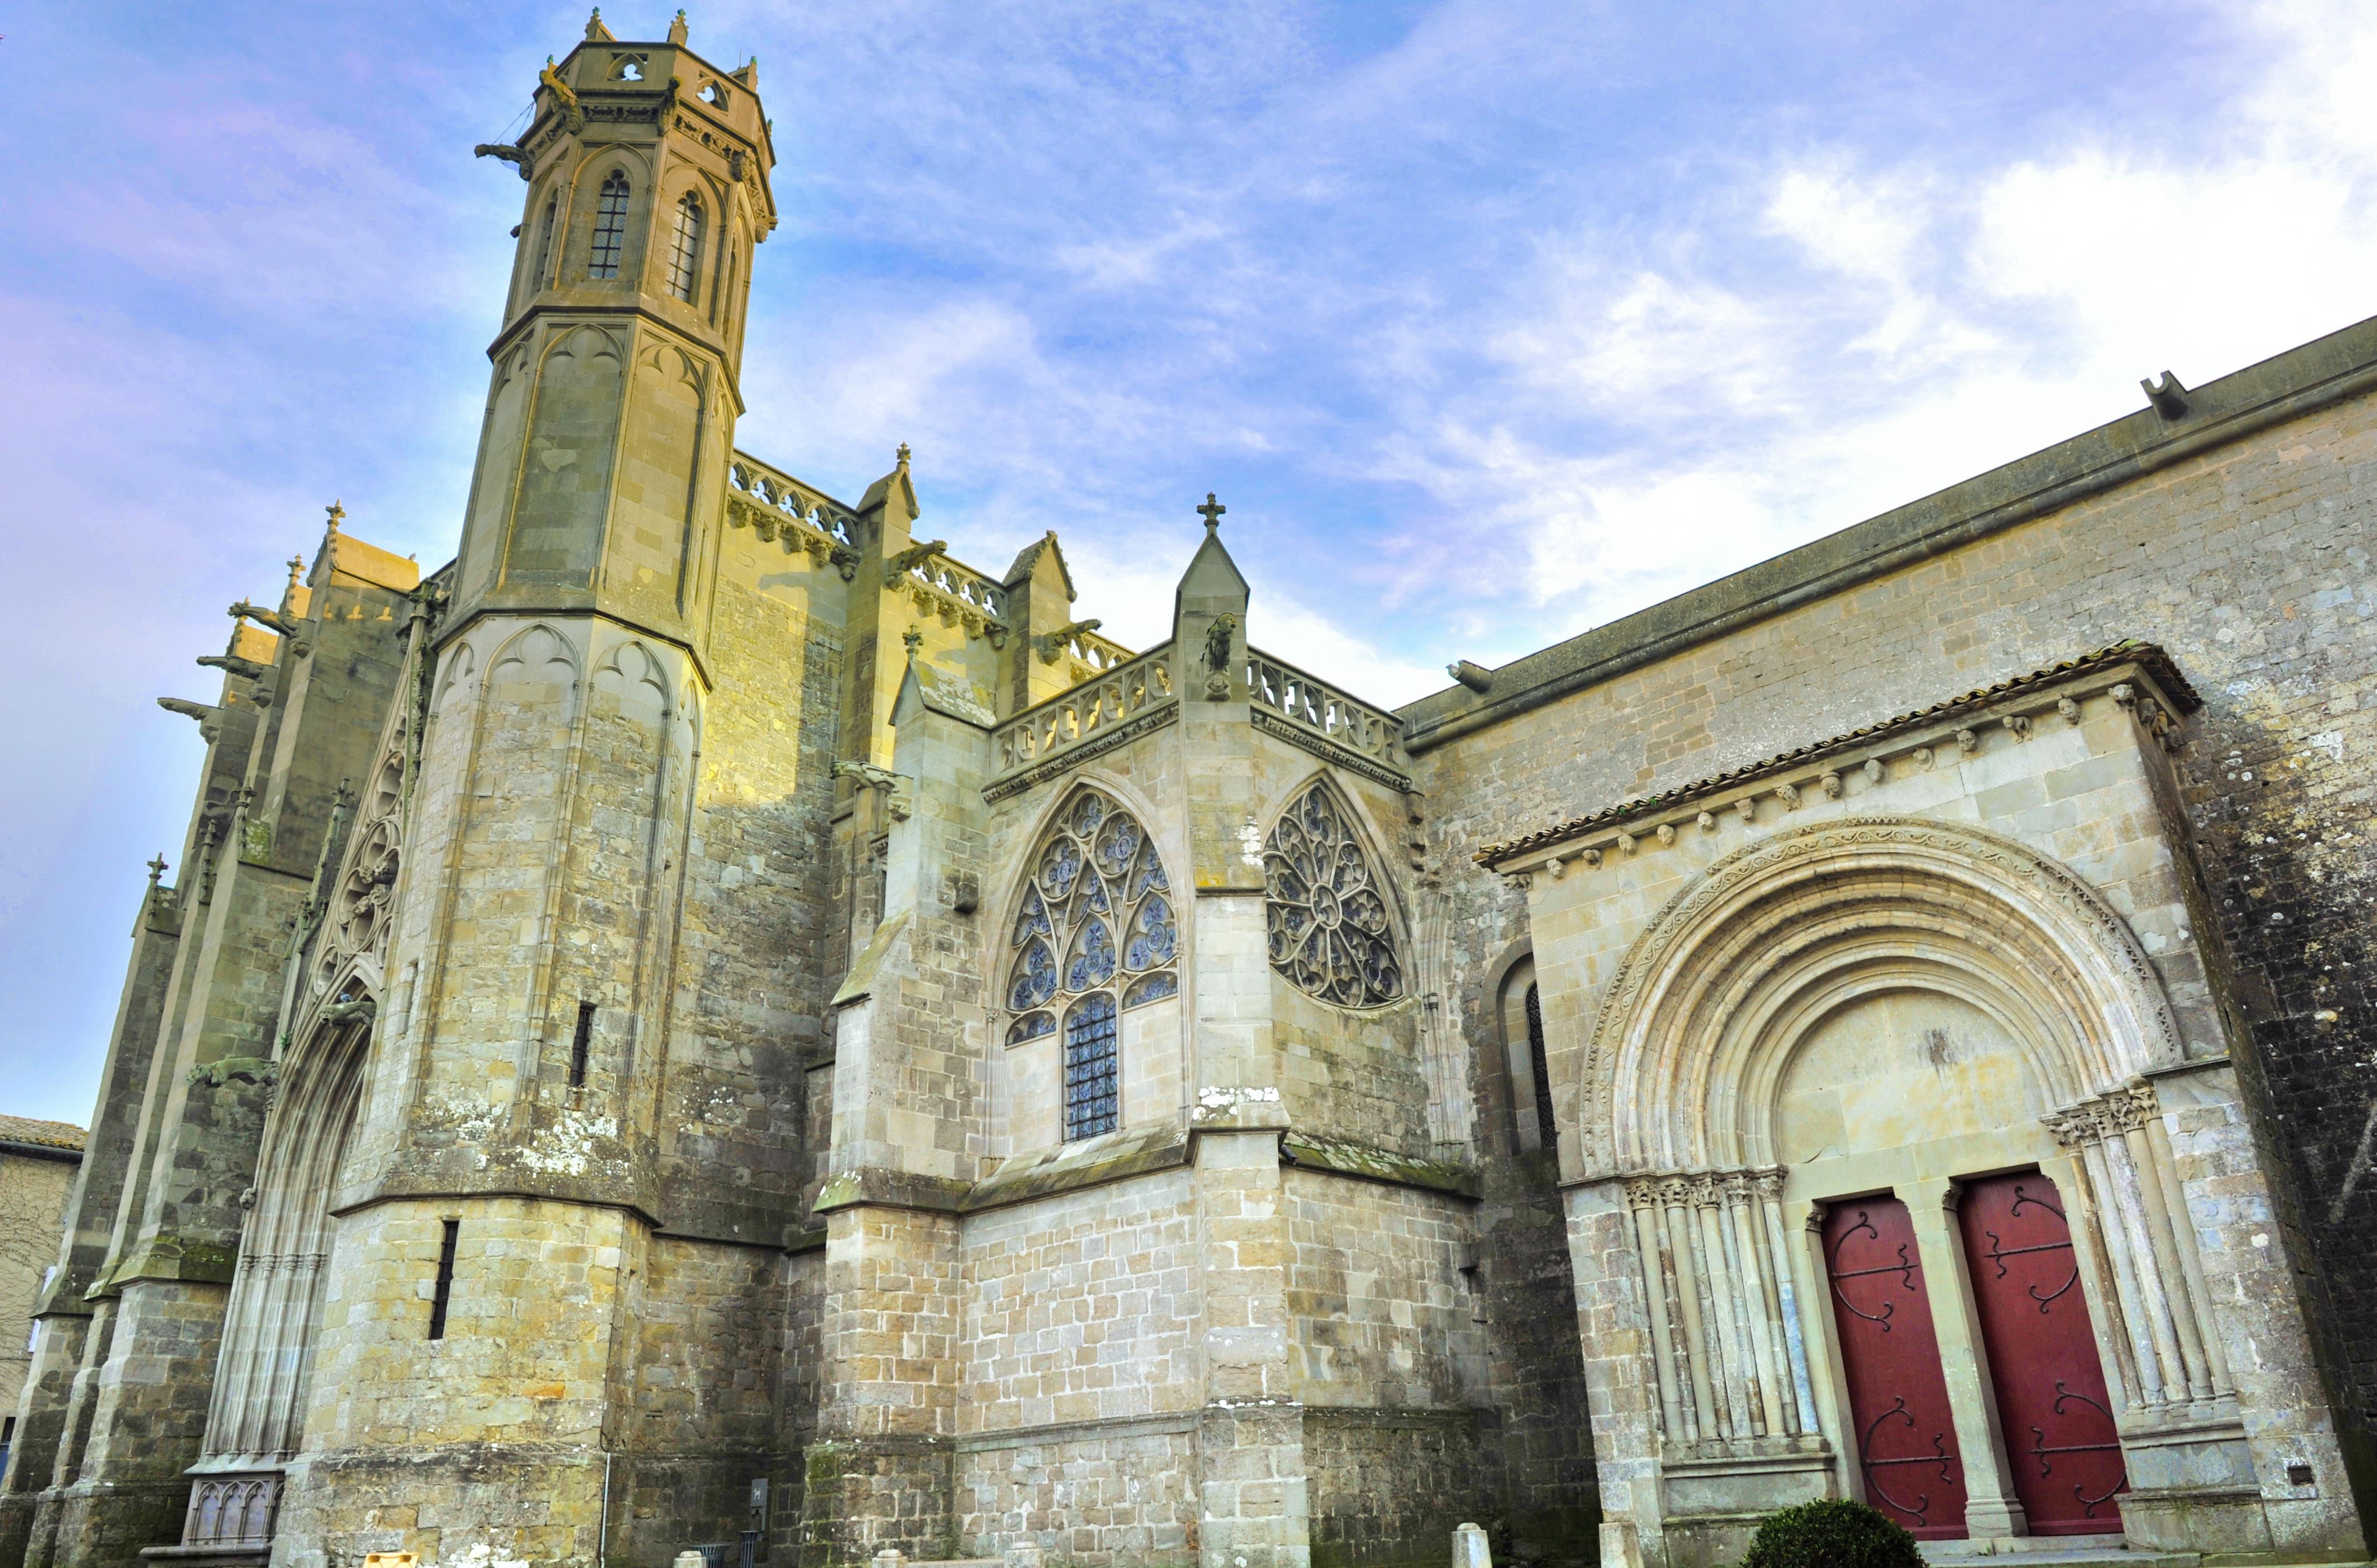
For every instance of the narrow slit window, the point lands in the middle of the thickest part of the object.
(1544, 1120)
(545, 245)
(610, 227)
(1090, 1095)
(684, 248)
(580, 1044)
(445, 1291)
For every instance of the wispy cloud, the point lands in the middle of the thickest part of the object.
(1490, 319)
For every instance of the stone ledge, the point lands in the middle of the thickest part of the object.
(1364, 1163)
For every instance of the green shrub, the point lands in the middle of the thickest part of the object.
(1832, 1534)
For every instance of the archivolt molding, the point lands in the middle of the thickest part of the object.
(1681, 1020)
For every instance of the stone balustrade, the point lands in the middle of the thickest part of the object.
(1304, 709)
(959, 594)
(781, 509)
(1127, 700)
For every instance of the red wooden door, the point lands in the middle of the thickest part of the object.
(1898, 1398)
(2057, 1421)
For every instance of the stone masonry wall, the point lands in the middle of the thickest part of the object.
(1081, 1307)
(2252, 564)
(1379, 1315)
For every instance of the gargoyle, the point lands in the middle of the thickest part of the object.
(504, 150)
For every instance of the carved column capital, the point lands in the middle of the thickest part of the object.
(1769, 1183)
(2075, 1126)
(1675, 1191)
(1642, 1193)
(1736, 1185)
(1704, 1192)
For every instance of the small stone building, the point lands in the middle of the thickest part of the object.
(706, 1021)
(38, 1160)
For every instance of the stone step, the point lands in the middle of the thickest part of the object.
(2100, 1551)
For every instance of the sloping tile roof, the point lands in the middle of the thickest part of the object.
(43, 1135)
(2148, 656)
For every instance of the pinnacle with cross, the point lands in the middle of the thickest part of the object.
(156, 868)
(914, 638)
(904, 454)
(1212, 513)
(337, 510)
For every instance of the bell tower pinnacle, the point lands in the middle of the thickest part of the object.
(612, 410)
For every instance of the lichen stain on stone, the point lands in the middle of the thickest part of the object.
(568, 1148)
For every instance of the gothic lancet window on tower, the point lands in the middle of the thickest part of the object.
(1094, 935)
(684, 248)
(1330, 932)
(543, 245)
(610, 227)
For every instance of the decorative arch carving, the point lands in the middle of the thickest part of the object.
(1330, 910)
(1686, 1051)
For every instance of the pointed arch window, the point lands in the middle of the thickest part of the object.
(610, 227)
(1326, 907)
(684, 248)
(543, 245)
(1094, 934)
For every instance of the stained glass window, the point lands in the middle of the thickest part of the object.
(1329, 931)
(1096, 922)
(1090, 1098)
(610, 227)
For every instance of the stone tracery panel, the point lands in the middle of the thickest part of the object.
(1097, 917)
(1325, 906)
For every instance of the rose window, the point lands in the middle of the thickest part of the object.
(1330, 932)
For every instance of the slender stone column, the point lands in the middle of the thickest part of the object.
(2146, 1386)
(1795, 1341)
(2136, 1108)
(1723, 1305)
(1643, 1199)
(2165, 1165)
(1675, 1198)
(1991, 1509)
(1757, 1306)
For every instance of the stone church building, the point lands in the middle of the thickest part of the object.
(706, 1021)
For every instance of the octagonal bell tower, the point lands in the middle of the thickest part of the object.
(617, 374)
(484, 1329)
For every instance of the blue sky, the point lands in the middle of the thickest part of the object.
(1489, 321)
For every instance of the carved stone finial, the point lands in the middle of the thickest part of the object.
(677, 33)
(913, 640)
(1212, 513)
(156, 869)
(903, 446)
(297, 566)
(337, 510)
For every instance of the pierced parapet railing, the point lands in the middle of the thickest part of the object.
(959, 594)
(1309, 712)
(1121, 703)
(781, 509)
(1096, 653)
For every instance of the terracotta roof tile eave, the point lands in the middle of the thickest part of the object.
(2149, 656)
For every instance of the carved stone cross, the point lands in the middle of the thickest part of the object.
(1212, 513)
